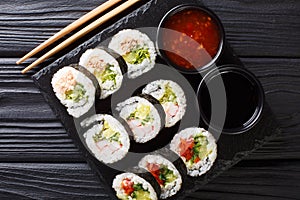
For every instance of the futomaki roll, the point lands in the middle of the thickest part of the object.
(74, 90)
(107, 139)
(165, 173)
(197, 148)
(172, 98)
(129, 186)
(105, 68)
(142, 117)
(137, 50)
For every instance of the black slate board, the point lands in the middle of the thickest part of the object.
(231, 149)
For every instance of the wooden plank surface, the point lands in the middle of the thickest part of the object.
(39, 160)
(254, 28)
(247, 180)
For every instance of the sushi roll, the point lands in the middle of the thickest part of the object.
(137, 50)
(74, 90)
(105, 68)
(142, 118)
(108, 139)
(131, 186)
(171, 97)
(197, 148)
(165, 173)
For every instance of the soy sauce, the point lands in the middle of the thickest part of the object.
(242, 99)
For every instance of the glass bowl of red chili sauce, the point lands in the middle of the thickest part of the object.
(190, 38)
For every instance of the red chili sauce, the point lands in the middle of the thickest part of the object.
(198, 41)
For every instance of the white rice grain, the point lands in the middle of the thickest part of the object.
(122, 43)
(157, 90)
(75, 109)
(171, 188)
(129, 106)
(112, 152)
(91, 59)
(196, 169)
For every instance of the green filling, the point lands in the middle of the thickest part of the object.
(142, 112)
(115, 137)
(107, 75)
(107, 133)
(138, 186)
(169, 95)
(140, 193)
(76, 94)
(200, 148)
(167, 175)
(137, 55)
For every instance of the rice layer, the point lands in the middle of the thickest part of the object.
(137, 50)
(168, 189)
(142, 118)
(182, 144)
(105, 68)
(74, 90)
(108, 140)
(126, 179)
(172, 98)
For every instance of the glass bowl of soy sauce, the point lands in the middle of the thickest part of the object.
(231, 99)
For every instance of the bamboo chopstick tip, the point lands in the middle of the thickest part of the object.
(23, 71)
(21, 60)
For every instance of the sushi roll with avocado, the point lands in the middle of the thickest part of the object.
(171, 97)
(133, 187)
(74, 90)
(142, 118)
(107, 139)
(165, 173)
(105, 68)
(137, 50)
(197, 148)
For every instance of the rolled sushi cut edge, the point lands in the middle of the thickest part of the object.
(131, 186)
(142, 117)
(137, 50)
(107, 140)
(171, 96)
(74, 90)
(105, 67)
(197, 148)
(165, 173)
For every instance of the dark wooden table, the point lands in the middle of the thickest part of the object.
(39, 161)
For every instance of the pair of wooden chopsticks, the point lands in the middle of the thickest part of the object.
(79, 34)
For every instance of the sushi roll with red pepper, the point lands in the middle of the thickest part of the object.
(165, 173)
(129, 186)
(172, 98)
(142, 117)
(197, 148)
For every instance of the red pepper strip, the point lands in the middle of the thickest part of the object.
(154, 169)
(197, 159)
(186, 148)
(127, 186)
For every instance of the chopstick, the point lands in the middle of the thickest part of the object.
(70, 28)
(82, 32)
